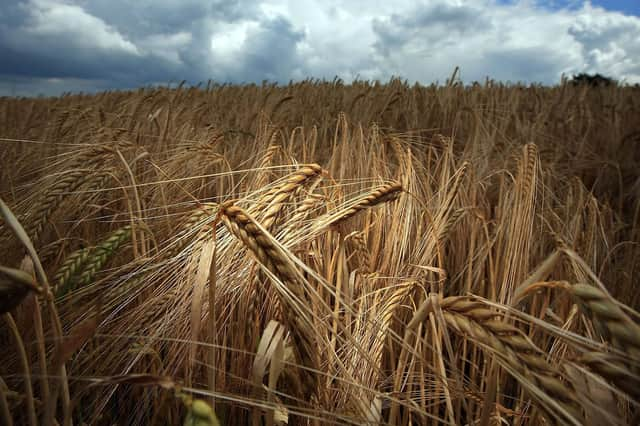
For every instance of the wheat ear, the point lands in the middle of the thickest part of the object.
(85, 263)
(516, 351)
(80, 171)
(273, 258)
(609, 318)
(69, 269)
(381, 194)
(275, 198)
(623, 334)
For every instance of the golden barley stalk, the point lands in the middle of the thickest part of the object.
(615, 369)
(610, 319)
(273, 257)
(622, 369)
(381, 194)
(272, 202)
(513, 347)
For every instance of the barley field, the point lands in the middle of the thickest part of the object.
(321, 253)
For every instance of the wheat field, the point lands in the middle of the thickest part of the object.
(321, 253)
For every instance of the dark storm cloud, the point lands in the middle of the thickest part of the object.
(48, 40)
(145, 20)
(52, 60)
(269, 52)
(140, 18)
(29, 86)
(126, 44)
(432, 23)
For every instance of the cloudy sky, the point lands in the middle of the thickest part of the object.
(52, 46)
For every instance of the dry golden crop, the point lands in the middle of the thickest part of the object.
(321, 253)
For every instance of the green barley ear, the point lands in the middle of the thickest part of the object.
(103, 252)
(66, 274)
(70, 181)
(81, 266)
(199, 413)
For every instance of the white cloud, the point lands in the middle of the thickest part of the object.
(52, 18)
(228, 42)
(338, 36)
(424, 41)
(609, 41)
(167, 46)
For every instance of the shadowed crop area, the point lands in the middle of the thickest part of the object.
(321, 253)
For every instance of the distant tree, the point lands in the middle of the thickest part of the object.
(592, 80)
